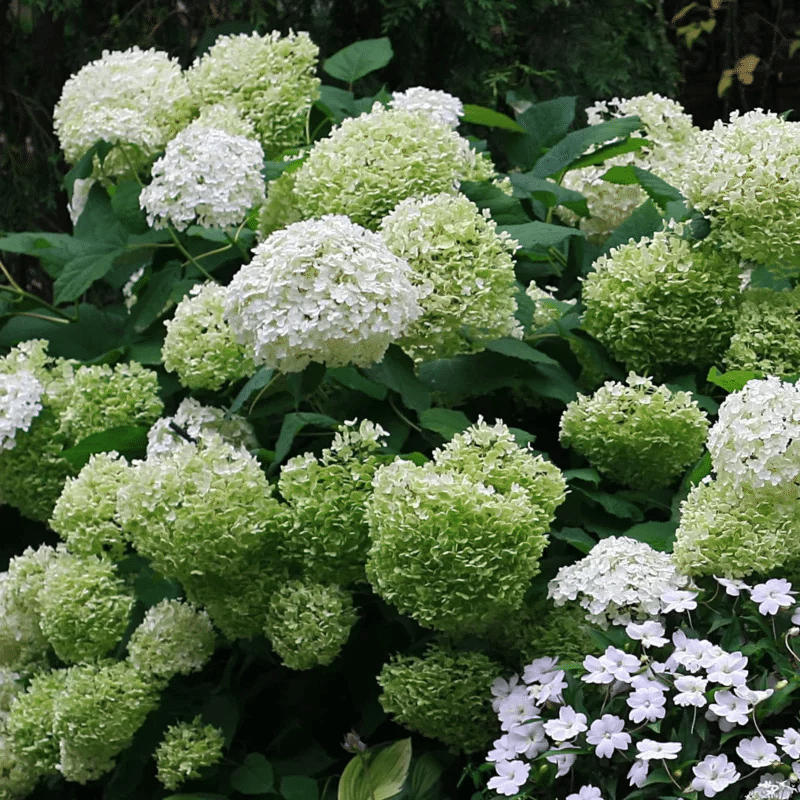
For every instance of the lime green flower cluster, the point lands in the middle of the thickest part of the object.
(639, 435)
(173, 638)
(767, 333)
(733, 533)
(96, 715)
(662, 302)
(85, 607)
(546, 308)
(456, 541)
(309, 623)
(465, 272)
(443, 695)
(186, 749)
(269, 79)
(84, 514)
(280, 208)
(370, 163)
(200, 346)
(328, 497)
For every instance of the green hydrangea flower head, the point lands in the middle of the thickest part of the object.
(662, 302)
(96, 716)
(16, 778)
(443, 695)
(186, 749)
(546, 308)
(743, 175)
(465, 272)
(84, 514)
(327, 498)
(138, 99)
(271, 81)
(191, 421)
(199, 509)
(101, 397)
(11, 685)
(766, 336)
(85, 607)
(173, 638)
(30, 720)
(200, 346)
(309, 623)
(733, 532)
(636, 433)
(23, 646)
(368, 164)
(451, 550)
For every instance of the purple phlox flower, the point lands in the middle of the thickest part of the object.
(729, 669)
(568, 725)
(650, 633)
(679, 600)
(620, 664)
(646, 704)
(692, 654)
(772, 596)
(649, 749)
(644, 680)
(637, 774)
(528, 740)
(511, 775)
(596, 671)
(565, 762)
(733, 586)
(731, 708)
(587, 792)
(516, 710)
(502, 688)
(752, 696)
(538, 668)
(607, 735)
(691, 690)
(713, 774)
(502, 750)
(790, 743)
(757, 752)
(550, 689)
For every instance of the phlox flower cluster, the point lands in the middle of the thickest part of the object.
(322, 290)
(638, 434)
(658, 704)
(441, 106)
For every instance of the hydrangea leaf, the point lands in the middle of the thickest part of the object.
(644, 221)
(480, 115)
(257, 382)
(540, 235)
(359, 59)
(517, 349)
(505, 210)
(150, 305)
(299, 787)
(255, 776)
(397, 371)
(128, 440)
(603, 154)
(577, 537)
(732, 381)
(292, 425)
(444, 421)
(544, 123)
(659, 535)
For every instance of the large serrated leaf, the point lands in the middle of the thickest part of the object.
(444, 421)
(397, 372)
(359, 59)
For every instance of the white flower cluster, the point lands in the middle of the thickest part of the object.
(206, 175)
(618, 581)
(441, 106)
(694, 674)
(20, 396)
(322, 290)
(133, 97)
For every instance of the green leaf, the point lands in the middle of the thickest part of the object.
(575, 144)
(602, 154)
(81, 272)
(659, 535)
(425, 778)
(299, 787)
(544, 124)
(480, 115)
(197, 796)
(643, 222)
(397, 371)
(34, 244)
(505, 210)
(255, 776)
(292, 425)
(587, 474)
(514, 348)
(521, 437)
(128, 440)
(387, 768)
(470, 375)
(255, 384)
(222, 711)
(147, 309)
(359, 59)
(701, 469)
(85, 166)
(540, 235)
(353, 379)
(733, 381)
(147, 352)
(553, 381)
(126, 208)
(659, 191)
(444, 421)
(577, 537)
(151, 587)
(337, 104)
(613, 504)
(549, 193)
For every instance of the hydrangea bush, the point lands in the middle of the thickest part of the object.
(325, 427)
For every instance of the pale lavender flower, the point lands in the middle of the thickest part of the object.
(587, 792)
(679, 600)
(637, 774)
(649, 749)
(691, 690)
(713, 775)
(596, 671)
(773, 595)
(511, 775)
(790, 742)
(757, 752)
(607, 735)
(646, 704)
(568, 725)
(650, 633)
(733, 587)
(538, 669)
(563, 762)
(731, 708)
(729, 669)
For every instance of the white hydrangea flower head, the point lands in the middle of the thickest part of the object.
(464, 270)
(185, 750)
(441, 106)
(132, 97)
(368, 164)
(206, 175)
(322, 290)
(269, 79)
(618, 582)
(173, 638)
(544, 312)
(756, 439)
(196, 420)
(745, 176)
(200, 346)
(20, 401)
